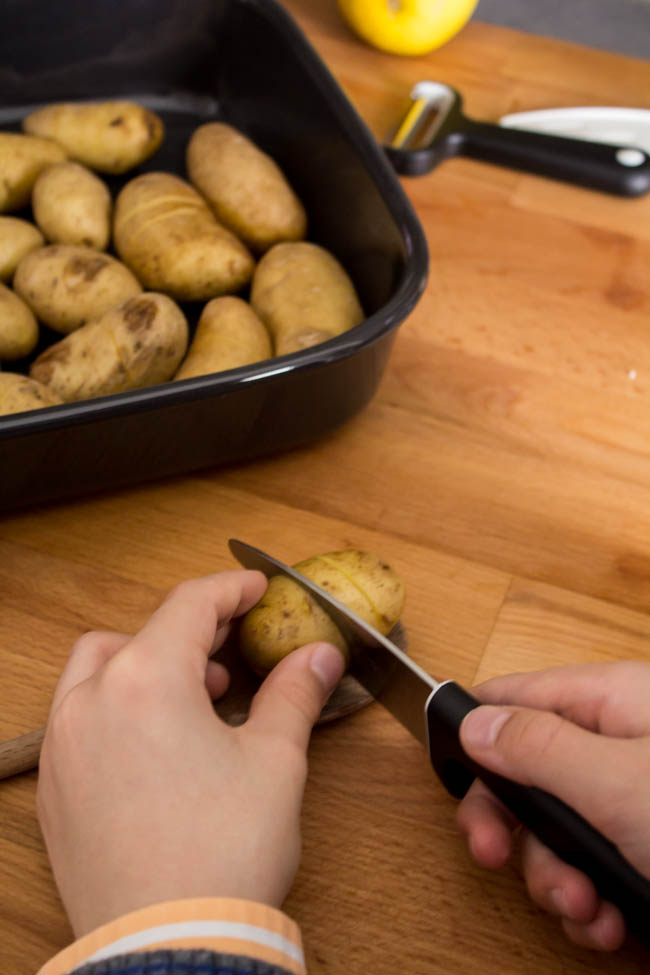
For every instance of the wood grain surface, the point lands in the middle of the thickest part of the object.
(503, 468)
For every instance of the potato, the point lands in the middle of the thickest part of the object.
(303, 296)
(108, 136)
(22, 157)
(19, 393)
(245, 188)
(168, 235)
(287, 617)
(139, 343)
(17, 239)
(72, 206)
(229, 334)
(66, 286)
(18, 327)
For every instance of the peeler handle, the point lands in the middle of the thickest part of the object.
(624, 171)
(557, 825)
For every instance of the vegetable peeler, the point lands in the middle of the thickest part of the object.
(434, 128)
(433, 712)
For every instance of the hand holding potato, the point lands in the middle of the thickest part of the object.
(287, 616)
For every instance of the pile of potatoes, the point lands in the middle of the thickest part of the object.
(108, 275)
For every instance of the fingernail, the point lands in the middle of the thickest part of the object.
(482, 725)
(328, 664)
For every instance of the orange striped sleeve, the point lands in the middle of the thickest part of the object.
(216, 923)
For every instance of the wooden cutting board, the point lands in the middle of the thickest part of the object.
(503, 468)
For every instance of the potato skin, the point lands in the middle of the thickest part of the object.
(139, 343)
(18, 326)
(72, 206)
(246, 189)
(67, 286)
(110, 137)
(22, 157)
(304, 296)
(18, 393)
(229, 334)
(17, 239)
(287, 617)
(168, 235)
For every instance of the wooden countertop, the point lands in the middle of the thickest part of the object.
(503, 468)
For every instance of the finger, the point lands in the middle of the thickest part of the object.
(542, 749)
(487, 825)
(88, 654)
(217, 679)
(220, 637)
(605, 933)
(294, 693)
(555, 885)
(610, 698)
(184, 627)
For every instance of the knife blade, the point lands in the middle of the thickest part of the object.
(433, 712)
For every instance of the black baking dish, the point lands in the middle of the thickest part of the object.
(244, 61)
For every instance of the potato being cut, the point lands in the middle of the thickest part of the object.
(287, 617)
(111, 137)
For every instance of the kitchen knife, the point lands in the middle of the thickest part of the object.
(433, 711)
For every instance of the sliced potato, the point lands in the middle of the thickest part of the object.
(72, 205)
(136, 344)
(303, 296)
(67, 286)
(111, 137)
(168, 235)
(18, 326)
(246, 189)
(229, 334)
(19, 393)
(17, 239)
(22, 157)
(287, 617)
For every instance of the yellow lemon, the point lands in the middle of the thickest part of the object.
(406, 26)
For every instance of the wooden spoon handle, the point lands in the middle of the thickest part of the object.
(20, 754)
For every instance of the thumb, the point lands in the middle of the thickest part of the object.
(590, 772)
(292, 696)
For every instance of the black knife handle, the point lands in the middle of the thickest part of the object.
(557, 825)
(595, 165)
